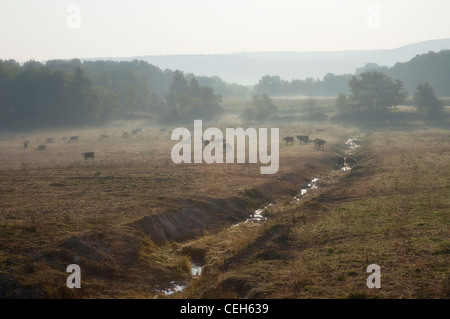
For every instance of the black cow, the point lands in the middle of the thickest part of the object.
(125, 135)
(73, 139)
(136, 131)
(303, 139)
(25, 144)
(289, 139)
(88, 155)
(319, 144)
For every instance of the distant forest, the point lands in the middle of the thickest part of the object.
(433, 68)
(71, 92)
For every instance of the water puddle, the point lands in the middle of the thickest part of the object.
(177, 286)
(314, 184)
(353, 143)
(349, 161)
(258, 216)
(196, 270)
(174, 287)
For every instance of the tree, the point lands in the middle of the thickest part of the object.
(188, 101)
(425, 100)
(342, 104)
(375, 91)
(272, 85)
(259, 108)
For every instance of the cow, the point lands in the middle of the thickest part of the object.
(50, 140)
(136, 131)
(319, 143)
(289, 139)
(25, 144)
(88, 155)
(162, 130)
(125, 135)
(73, 139)
(303, 139)
(104, 136)
(41, 147)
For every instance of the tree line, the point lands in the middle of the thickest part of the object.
(432, 67)
(69, 93)
(374, 95)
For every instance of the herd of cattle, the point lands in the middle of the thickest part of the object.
(319, 144)
(74, 138)
(304, 139)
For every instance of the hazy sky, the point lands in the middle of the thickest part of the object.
(51, 29)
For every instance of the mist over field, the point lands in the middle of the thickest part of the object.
(184, 170)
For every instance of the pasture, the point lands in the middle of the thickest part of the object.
(135, 222)
(393, 210)
(123, 214)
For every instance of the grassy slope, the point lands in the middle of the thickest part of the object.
(392, 210)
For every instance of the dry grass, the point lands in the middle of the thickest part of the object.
(392, 210)
(57, 209)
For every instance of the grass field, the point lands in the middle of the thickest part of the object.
(134, 221)
(393, 210)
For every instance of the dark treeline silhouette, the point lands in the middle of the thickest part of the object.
(432, 68)
(69, 93)
(32, 96)
(187, 101)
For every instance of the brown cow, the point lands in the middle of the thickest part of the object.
(289, 139)
(88, 155)
(319, 143)
(303, 139)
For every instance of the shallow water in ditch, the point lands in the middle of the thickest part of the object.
(259, 216)
(177, 286)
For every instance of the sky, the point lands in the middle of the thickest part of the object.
(64, 29)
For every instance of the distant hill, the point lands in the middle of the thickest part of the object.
(248, 67)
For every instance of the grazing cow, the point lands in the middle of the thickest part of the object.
(319, 144)
(88, 155)
(289, 139)
(73, 139)
(136, 131)
(41, 147)
(125, 135)
(104, 136)
(303, 139)
(25, 144)
(50, 140)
